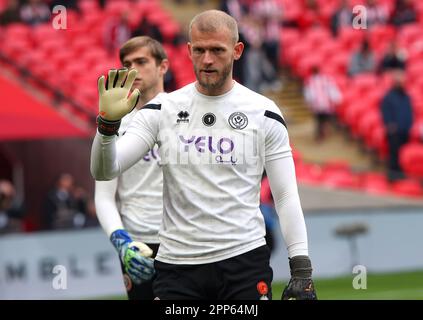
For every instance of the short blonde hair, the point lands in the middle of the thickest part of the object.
(212, 21)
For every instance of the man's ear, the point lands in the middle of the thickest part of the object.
(238, 49)
(164, 66)
(189, 46)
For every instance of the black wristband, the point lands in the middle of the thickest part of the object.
(107, 127)
(300, 267)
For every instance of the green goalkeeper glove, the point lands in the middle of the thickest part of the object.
(113, 100)
(300, 286)
(134, 256)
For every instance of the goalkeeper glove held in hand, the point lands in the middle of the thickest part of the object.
(134, 256)
(300, 286)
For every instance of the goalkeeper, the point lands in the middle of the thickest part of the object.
(130, 206)
(212, 243)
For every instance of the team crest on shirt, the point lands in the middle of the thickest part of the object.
(182, 117)
(238, 120)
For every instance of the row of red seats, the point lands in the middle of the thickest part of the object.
(71, 60)
(298, 13)
(339, 175)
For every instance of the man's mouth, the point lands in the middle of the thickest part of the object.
(209, 71)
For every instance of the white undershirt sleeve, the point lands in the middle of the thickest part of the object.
(282, 180)
(110, 158)
(106, 208)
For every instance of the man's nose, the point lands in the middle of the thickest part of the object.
(208, 57)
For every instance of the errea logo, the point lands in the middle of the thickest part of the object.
(182, 117)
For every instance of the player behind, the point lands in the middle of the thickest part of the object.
(130, 206)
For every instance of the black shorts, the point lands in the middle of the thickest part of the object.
(244, 277)
(143, 291)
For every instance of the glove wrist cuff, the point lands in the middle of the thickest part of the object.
(107, 127)
(119, 239)
(300, 267)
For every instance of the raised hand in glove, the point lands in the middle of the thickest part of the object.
(113, 100)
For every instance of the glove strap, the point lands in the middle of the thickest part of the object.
(300, 267)
(107, 127)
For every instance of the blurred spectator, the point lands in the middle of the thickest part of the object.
(270, 13)
(116, 32)
(145, 28)
(11, 13)
(341, 18)
(404, 12)
(10, 211)
(259, 74)
(375, 13)
(397, 116)
(35, 12)
(235, 8)
(91, 215)
(80, 199)
(322, 96)
(68, 4)
(362, 60)
(393, 59)
(59, 206)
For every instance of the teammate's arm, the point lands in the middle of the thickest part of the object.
(134, 255)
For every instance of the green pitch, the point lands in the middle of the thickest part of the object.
(387, 286)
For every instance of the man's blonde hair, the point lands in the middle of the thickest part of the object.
(212, 21)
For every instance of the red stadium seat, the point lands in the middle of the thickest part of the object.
(416, 133)
(365, 82)
(32, 58)
(317, 36)
(350, 38)
(375, 183)
(310, 174)
(409, 33)
(16, 49)
(115, 8)
(408, 187)
(340, 179)
(411, 159)
(88, 6)
(17, 31)
(50, 47)
(45, 32)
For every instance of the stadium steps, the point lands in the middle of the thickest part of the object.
(290, 99)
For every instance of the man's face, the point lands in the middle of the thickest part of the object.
(212, 55)
(149, 73)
